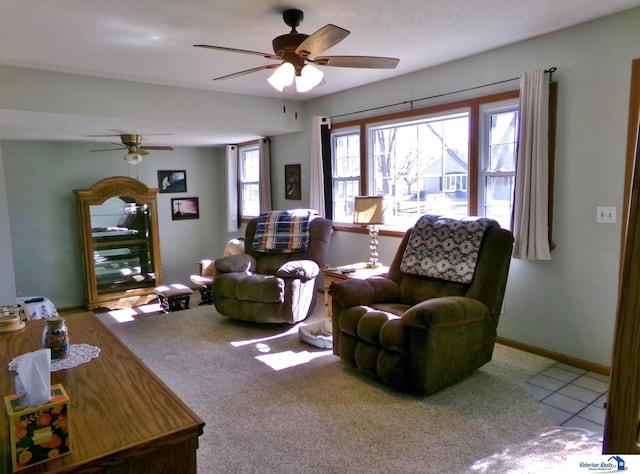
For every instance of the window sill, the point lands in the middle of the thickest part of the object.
(357, 229)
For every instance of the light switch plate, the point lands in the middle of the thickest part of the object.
(606, 215)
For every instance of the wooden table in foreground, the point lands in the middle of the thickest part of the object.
(123, 418)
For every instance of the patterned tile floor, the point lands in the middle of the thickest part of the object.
(572, 397)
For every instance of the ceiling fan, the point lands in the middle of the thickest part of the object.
(298, 52)
(135, 152)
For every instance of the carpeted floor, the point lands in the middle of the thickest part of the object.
(273, 404)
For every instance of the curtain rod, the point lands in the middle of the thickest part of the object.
(549, 71)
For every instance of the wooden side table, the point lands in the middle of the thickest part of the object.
(334, 274)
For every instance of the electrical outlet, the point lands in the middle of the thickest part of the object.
(606, 215)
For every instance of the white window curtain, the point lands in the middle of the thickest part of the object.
(231, 172)
(530, 220)
(265, 175)
(316, 188)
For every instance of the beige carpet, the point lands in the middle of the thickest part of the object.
(273, 404)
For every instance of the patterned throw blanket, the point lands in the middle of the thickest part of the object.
(445, 248)
(283, 231)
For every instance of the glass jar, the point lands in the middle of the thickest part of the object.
(56, 337)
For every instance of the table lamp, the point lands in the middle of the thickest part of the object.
(369, 211)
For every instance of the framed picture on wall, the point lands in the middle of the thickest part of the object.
(185, 208)
(292, 186)
(172, 181)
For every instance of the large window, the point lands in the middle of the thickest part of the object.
(249, 180)
(422, 166)
(455, 160)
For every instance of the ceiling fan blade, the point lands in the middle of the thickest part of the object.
(321, 40)
(247, 71)
(161, 148)
(371, 62)
(110, 135)
(110, 149)
(235, 50)
(140, 151)
(124, 133)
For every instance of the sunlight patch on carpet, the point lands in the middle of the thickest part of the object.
(128, 314)
(247, 342)
(280, 360)
(287, 359)
(122, 315)
(150, 308)
(559, 450)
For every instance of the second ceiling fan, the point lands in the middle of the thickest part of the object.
(297, 54)
(135, 151)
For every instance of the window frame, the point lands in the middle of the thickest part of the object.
(442, 116)
(347, 179)
(473, 181)
(487, 110)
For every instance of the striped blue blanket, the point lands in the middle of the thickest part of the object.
(283, 231)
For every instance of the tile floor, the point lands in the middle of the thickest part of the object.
(571, 397)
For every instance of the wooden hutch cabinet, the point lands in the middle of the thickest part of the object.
(120, 245)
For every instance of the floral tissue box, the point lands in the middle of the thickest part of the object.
(40, 433)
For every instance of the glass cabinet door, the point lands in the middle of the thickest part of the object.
(122, 253)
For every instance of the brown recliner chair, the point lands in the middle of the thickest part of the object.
(207, 271)
(271, 287)
(422, 333)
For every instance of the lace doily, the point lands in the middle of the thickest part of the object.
(78, 354)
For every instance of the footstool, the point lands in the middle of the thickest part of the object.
(205, 284)
(174, 297)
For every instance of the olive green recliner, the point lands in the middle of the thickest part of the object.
(422, 333)
(272, 287)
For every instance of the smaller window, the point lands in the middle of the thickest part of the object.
(498, 169)
(346, 174)
(249, 180)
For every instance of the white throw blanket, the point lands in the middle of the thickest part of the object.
(445, 248)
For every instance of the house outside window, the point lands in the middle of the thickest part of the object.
(431, 163)
(249, 180)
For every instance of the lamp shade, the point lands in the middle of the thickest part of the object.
(133, 158)
(368, 210)
(283, 76)
(310, 76)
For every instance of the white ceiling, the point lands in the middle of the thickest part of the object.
(150, 41)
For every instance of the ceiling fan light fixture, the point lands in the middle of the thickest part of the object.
(283, 76)
(133, 158)
(310, 76)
